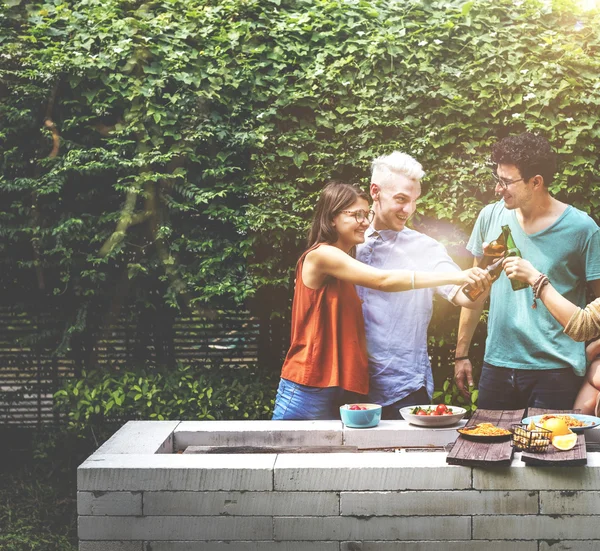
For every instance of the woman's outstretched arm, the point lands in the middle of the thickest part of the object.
(331, 261)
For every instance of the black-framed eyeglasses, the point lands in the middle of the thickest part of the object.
(504, 182)
(361, 215)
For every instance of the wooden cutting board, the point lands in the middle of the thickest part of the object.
(553, 457)
(480, 454)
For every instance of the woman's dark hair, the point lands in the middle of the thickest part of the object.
(335, 197)
(530, 153)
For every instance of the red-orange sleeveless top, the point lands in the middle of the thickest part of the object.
(328, 344)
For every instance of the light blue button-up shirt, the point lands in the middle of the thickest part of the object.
(396, 323)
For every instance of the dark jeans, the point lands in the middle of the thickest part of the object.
(506, 388)
(417, 398)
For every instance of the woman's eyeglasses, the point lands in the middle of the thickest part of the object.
(361, 215)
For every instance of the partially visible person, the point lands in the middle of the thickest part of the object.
(396, 323)
(327, 354)
(529, 361)
(580, 324)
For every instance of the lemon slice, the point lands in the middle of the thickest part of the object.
(565, 442)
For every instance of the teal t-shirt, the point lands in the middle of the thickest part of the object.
(568, 252)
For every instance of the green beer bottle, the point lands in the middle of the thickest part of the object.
(512, 250)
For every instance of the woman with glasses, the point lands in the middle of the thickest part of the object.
(581, 324)
(327, 354)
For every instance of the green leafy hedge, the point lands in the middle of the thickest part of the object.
(194, 135)
(102, 398)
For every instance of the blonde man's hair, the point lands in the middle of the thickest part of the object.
(386, 166)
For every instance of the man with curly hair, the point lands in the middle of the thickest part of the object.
(529, 361)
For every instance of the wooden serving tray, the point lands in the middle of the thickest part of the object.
(480, 453)
(553, 457)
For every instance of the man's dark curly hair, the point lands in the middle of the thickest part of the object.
(531, 154)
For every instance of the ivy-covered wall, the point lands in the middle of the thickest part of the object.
(163, 156)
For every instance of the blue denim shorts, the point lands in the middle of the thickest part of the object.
(299, 402)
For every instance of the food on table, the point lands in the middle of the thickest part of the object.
(440, 409)
(485, 429)
(570, 421)
(565, 442)
(557, 425)
(531, 438)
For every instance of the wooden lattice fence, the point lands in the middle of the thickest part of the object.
(30, 376)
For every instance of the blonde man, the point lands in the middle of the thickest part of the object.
(396, 323)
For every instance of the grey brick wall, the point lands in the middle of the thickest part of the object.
(134, 496)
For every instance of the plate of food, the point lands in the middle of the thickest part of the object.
(575, 421)
(430, 415)
(486, 432)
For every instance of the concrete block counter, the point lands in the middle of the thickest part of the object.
(138, 492)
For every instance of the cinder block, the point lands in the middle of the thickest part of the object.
(380, 528)
(109, 503)
(438, 546)
(393, 433)
(522, 477)
(176, 528)
(369, 471)
(459, 502)
(121, 473)
(570, 545)
(139, 437)
(241, 503)
(111, 546)
(243, 546)
(535, 527)
(569, 502)
(258, 433)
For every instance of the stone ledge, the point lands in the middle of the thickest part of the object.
(140, 437)
(134, 473)
(368, 471)
(258, 433)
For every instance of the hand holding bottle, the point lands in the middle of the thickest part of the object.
(517, 268)
(476, 278)
(493, 271)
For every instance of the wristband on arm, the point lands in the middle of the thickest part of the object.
(461, 358)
